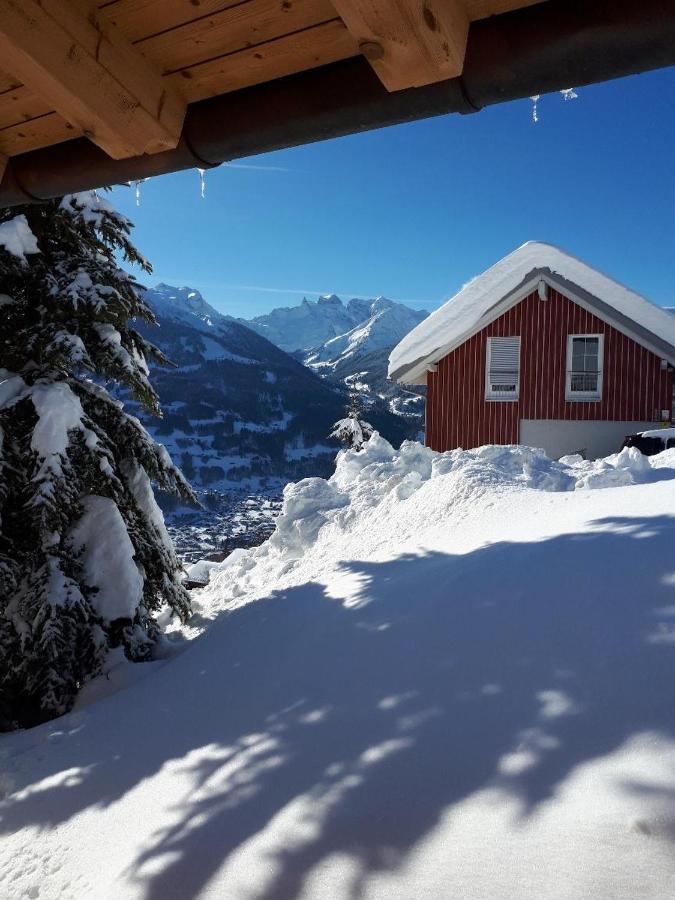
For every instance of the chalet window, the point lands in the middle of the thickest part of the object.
(502, 379)
(584, 366)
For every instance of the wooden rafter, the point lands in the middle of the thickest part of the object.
(409, 43)
(480, 9)
(70, 55)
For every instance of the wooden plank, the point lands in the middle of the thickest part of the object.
(233, 29)
(297, 52)
(409, 43)
(20, 105)
(42, 131)
(481, 9)
(89, 73)
(8, 82)
(140, 19)
(25, 125)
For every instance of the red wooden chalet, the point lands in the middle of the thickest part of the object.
(542, 350)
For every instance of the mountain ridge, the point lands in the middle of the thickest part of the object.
(358, 355)
(311, 323)
(239, 412)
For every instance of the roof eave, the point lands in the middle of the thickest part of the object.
(537, 49)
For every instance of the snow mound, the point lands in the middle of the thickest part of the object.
(374, 483)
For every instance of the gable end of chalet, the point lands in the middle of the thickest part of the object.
(539, 279)
(548, 370)
(545, 351)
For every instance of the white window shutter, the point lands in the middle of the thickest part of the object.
(503, 368)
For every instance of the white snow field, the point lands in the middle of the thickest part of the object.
(444, 676)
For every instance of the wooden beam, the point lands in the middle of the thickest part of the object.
(409, 43)
(3, 164)
(70, 55)
(43, 131)
(481, 9)
(306, 49)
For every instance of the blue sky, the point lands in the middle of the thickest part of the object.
(414, 211)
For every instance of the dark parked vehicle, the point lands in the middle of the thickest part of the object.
(649, 443)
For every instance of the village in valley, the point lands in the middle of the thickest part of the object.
(337, 450)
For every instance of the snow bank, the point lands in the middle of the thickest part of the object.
(378, 473)
(448, 326)
(371, 484)
(199, 572)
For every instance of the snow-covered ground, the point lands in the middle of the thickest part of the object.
(443, 676)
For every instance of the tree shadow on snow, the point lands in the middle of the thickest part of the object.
(352, 730)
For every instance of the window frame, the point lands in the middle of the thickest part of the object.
(489, 395)
(584, 396)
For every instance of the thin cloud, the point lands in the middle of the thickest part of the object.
(255, 168)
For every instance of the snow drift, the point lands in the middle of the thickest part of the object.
(445, 674)
(379, 475)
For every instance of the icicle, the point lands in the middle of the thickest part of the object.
(137, 185)
(202, 182)
(535, 113)
(569, 94)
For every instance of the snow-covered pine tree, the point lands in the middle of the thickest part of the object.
(353, 430)
(86, 563)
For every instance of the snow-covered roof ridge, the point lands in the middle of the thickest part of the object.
(469, 310)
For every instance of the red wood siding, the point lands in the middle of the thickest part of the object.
(635, 387)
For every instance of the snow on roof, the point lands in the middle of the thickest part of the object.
(463, 314)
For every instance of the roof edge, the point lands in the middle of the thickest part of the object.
(415, 372)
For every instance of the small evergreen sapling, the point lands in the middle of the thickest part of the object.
(86, 563)
(353, 430)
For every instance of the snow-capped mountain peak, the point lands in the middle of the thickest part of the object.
(386, 324)
(238, 409)
(313, 323)
(183, 304)
(329, 300)
(301, 327)
(344, 342)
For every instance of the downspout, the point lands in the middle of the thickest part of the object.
(550, 46)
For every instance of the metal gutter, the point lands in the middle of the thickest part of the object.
(546, 47)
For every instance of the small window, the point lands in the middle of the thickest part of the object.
(502, 368)
(584, 366)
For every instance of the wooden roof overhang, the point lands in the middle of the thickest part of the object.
(105, 91)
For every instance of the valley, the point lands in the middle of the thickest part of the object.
(248, 406)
